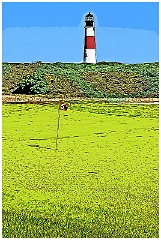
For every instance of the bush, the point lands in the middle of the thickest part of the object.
(35, 84)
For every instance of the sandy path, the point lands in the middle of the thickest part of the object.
(40, 99)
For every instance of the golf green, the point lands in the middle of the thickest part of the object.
(102, 182)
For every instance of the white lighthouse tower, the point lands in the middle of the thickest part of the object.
(89, 40)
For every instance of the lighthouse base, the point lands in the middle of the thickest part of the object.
(89, 56)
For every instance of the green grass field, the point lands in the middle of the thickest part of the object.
(102, 182)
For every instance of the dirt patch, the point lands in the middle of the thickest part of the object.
(42, 99)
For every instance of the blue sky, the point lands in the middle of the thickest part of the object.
(54, 31)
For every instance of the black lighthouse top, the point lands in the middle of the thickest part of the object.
(89, 20)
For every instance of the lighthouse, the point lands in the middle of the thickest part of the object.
(89, 40)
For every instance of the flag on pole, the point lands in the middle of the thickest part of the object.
(63, 106)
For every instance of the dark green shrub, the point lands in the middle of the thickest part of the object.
(5, 68)
(35, 84)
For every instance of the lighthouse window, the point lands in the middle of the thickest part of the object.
(89, 18)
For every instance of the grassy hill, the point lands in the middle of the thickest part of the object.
(66, 80)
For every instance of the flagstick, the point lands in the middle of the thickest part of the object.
(58, 126)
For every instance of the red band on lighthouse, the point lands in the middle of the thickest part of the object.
(90, 42)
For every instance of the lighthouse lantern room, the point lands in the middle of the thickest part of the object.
(89, 40)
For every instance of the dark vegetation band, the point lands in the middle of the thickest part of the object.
(67, 80)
